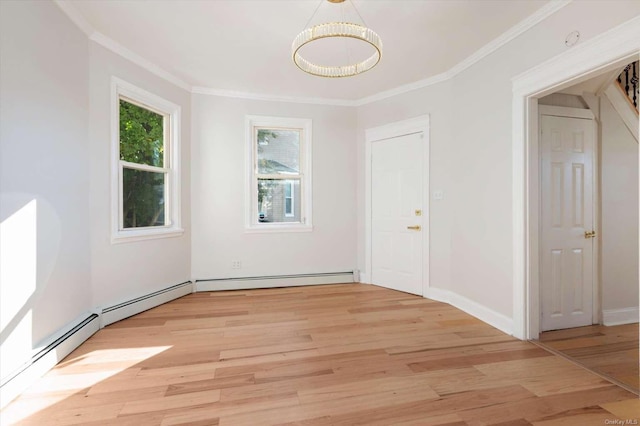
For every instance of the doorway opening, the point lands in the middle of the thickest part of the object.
(607, 53)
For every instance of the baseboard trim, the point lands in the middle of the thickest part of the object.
(143, 303)
(620, 316)
(491, 317)
(46, 358)
(273, 281)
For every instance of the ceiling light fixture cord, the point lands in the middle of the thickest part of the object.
(346, 44)
(312, 15)
(356, 9)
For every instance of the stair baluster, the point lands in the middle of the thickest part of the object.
(628, 82)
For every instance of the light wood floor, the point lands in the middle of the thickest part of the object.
(323, 355)
(612, 351)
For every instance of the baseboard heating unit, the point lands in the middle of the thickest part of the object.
(246, 283)
(46, 358)
(140, 304)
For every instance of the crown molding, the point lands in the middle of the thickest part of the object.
(513, 32)
(271, 98)
(119, 49)
(616, 42)
(543, 13)
(79, 20)
(75, 16)
(405, 88)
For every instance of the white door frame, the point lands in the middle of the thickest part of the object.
(605, 52)
(389, 131)
(588, 115)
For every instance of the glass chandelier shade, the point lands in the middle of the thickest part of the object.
(340, 30)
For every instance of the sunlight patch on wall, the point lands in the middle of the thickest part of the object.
(18, 275)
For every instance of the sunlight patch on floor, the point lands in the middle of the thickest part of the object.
(68, 379)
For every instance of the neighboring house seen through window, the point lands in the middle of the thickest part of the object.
(279, 193)
(288, 199)
(145, 195)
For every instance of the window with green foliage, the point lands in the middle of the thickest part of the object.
(142, 151)
(147, 180)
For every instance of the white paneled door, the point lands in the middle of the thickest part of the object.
(567, 239)
(396, 213)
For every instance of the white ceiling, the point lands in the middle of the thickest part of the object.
(244, 45)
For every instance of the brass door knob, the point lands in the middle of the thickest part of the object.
(415, 227)
(589, 234)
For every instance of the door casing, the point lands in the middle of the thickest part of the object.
(603, 53)
(389, 131)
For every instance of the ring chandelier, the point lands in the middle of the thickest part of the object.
(338, 30)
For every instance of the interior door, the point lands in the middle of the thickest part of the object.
(396, 213)
(567, 280)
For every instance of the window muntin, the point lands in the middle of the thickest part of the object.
(279, 190)
(145, 184)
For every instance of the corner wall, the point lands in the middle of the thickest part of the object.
(218, 208)
(45, 278)
(123, 271)
(619, 214)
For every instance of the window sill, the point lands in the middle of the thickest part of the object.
(274, 228)
(145, 234)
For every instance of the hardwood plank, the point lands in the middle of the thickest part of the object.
(612, 351)
(346, 354)
(627, 409)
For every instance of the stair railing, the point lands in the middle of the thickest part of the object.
(628, 82)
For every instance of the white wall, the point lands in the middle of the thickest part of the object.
(479, 150)
(482, 240)
(120, 272)
(218, 188)
(619, 233)
(45, 266)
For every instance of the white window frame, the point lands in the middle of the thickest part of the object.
(121, 89)
(252, 224)
(291, 186)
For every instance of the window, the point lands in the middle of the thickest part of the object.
(145, 182)
(279, 181)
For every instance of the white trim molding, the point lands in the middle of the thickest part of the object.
(123, 310)
(598, 55)
(47, 355)
(513, 32)
(172, 112)
(620, 316)
(419, 124)
(79, 20)
(491, 317)
(76, 17)
(269, 97)
(305, 175)
(247, 283)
